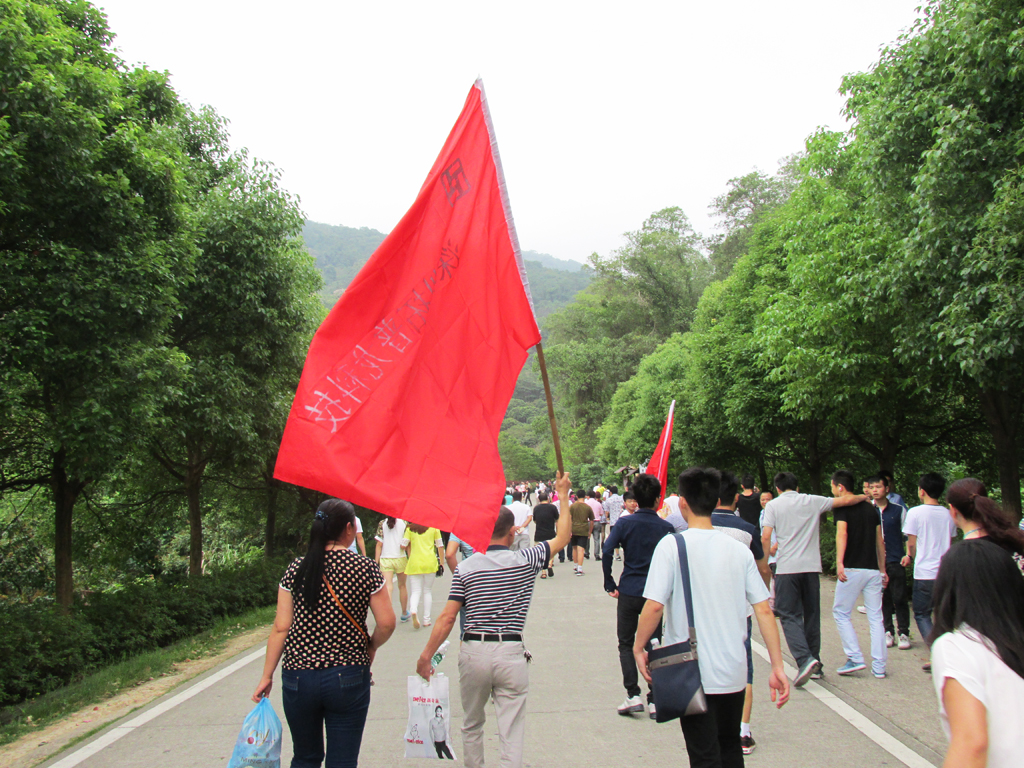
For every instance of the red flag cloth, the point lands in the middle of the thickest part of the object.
(407, 381)
(658, 465)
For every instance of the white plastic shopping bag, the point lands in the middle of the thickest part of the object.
(259, 743)
(428, 733)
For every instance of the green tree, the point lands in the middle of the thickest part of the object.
(245, 321)
(94, 248)
(940, 125)
(740, 209)
(642, 294)
(828, 338)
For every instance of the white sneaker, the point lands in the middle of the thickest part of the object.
(861, 609)
(904, 643)
(630, 705)
(652, 711)
(888, 640)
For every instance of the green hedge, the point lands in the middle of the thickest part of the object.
(42, 649)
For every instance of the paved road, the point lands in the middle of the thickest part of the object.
(575, 687)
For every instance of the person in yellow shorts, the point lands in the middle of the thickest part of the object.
(392, 559)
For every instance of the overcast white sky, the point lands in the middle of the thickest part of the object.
(604, 112)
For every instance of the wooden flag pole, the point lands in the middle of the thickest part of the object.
(551, 407)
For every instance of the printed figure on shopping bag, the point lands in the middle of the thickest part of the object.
(427, 734)
(439, 733)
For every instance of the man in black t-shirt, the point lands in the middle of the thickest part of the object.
(748, 504)
(544, 517)
(860, 567)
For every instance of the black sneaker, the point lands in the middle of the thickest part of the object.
(747, 744)
(551, 572)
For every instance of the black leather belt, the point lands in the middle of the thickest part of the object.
(504, 638)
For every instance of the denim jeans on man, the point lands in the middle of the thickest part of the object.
(923, 606)
(336, 699)
(869, 583)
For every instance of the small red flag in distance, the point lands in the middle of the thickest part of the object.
(406, 382)
(658, 465)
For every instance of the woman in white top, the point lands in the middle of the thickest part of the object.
(392, 559)
(978, 655)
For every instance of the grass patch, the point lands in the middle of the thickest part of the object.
(20, 719)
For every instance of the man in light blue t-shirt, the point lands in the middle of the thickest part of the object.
(724, 580)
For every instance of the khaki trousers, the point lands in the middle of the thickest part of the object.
(499, 670)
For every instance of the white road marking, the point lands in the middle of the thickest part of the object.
(882, 738)
(121, 731)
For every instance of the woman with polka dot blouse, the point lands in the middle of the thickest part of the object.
(320, 629)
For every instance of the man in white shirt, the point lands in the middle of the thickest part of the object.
(794, 518)
(358, 545)
(930, 531)
(724, 580)
(523, 515)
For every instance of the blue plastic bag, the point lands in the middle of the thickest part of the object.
(259, 743)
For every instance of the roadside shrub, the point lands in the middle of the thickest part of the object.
(42, 649)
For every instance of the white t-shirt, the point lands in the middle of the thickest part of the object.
(935, 530)
(964, 656)
(775, 540)
(359, 532)
(723, 580)
(521, 512)
(391, 539)
(795, 517)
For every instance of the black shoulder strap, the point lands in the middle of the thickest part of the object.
(684, 567)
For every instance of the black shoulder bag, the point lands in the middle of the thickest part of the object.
(675, 676)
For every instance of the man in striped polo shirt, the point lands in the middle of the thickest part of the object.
(496, 587)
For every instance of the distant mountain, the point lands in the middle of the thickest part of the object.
(340, 253)
(547, 260)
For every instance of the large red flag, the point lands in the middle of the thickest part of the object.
(407, 381)
(658, 465)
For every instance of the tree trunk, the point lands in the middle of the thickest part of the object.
(890, 452)
(193, 487)
(65, 494)
(762, 474)
(1002, 412)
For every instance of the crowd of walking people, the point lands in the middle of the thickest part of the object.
(699, 567)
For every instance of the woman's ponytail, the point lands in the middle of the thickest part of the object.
(971, 500)
(330, 521)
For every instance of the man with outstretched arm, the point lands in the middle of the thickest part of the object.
(495, 587)
(724, 579)
(795, 518)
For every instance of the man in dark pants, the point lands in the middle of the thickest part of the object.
(725, 582)
(795, 518)
(894, 598)
(638, 534)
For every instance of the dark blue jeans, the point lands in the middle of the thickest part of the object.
(335, 698)
(923, 606)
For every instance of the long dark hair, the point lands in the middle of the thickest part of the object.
(332, 518)
(971, 500)
(980, 585)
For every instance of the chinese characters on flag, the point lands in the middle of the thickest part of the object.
(407, 381)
